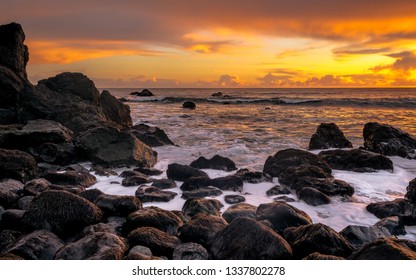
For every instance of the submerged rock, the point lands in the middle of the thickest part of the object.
(253, 177)
(397, 207)
(234, 198)
(328, 135)
(216, 162)
(189, 105)
(144, 93)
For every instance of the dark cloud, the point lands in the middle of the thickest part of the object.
(405, 62)
(359, 50)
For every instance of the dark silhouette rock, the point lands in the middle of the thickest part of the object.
(358, 236)
(229, 183)
(148, 171)
(284, 159)
(132, 173)
(318, 257)
(247, 239)
(313, 197)
(196, 183)
(202, 192)
(234, 198)
(276, 190)
(393, 225)
(397, 207)
(190, 251)
(11, 84)
(293, 174)
(387, 249)
(135, 180)
(217, 94)
(71, 178)
(411, 191)
(59, 154)
(253, 177)
(282, 215)
(96, 246)
(164, 184)
(318, 238)
(154, 194)
(194, 206)
(328, 135)
(38, 245)
(115, 111)
(150, 135)
(329, 186)
(7, 116)
(154, 217)
(17, 165)
(239, 210)
(144, 93)
(118, 205)
(10, 191)
(180, 172)
(356, 160)
(216, 162)
(388, 140)
(284, 198)
(189, 105)
(62, 213)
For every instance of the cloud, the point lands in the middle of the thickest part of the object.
(404, 64)
(228, 81)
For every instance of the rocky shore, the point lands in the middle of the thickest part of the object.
(48, 209)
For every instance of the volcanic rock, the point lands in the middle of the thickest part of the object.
(151, 136)
(17, 165)
(10, 192)
(190, 251)
(180, 172)
(358, 236)
(328, 135)
(154, 194)
(71, 178)
(202, 192)
(216, 162)
(194, 206)
(313, 196)
(387, 249)
(115, 111)
(239, 210)
(118, 205)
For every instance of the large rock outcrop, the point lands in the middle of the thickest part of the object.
(328, 135)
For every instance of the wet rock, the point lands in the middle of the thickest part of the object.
(61, 212)
(190, 251)
(282, 215)
(313, 196)
(388, 140)
(132, 173)
(318, 256)
(141, 250)
(115, 111)
(13, 219)
(96, 246)
(71, 178)
(136, 180)
(196, 183)
(154, 217)
(24, 202)
(393, 225)
(150, 135)
(154, 194)
(60, 154)
(189, 105)
(233, 198)
(7, 239)
(38, 245)
(284, 159)
(91, 195)
(247, 239)
(201, 229)
(103, 171)
(100, 227)
(180, 172)
(36, 186)
(239, 210)
(411, 191)
(17, 165)
(164, 184)
(159, 242)
(216, 162)
(144, 93)
(328, 135)
(7, 116)
(387, 249)
(293, 174)
(202, 192)
(149, 171)
(319, 238)
(194, 206)
(356, 160)
(217, 94)
(329, 186)
(358, 236)
(253, 177)
(276, 190)
(118, 205)
(10, 192)
(229, 183)
(284, 198)
(397, 207)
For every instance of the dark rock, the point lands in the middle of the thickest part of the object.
(282, 215)
(358, 236)
(216, 162)
(189, 105)
(96, 246)
(194, 206)
(17, 165)
(202, 192)
(24, 202)
(91, 195)
(201, 228)
(190, 251)
(233, 198)
(13, 219)
(60, 154)
(110, 147)
(388, 140)
(284, 198)
(180, 172)
(253, 177)
(319, 238)
(7, 239)
(154, 194)
(387, 249)
(148, 171)
(277, 190)
(10, 192)
(100, 227)
(293, 174)
(71, 178)
(164, 184)
(228, 183)
(154, 217)
(318, 256)
(131, 173)
(196, 183)
(144, 93)
(329, 186)
(7, 116)
(62, 213)
(1, 212)
(10, 257)
(217, 94)
(151, 136)
(313, 196)
(36, 186)
(247, 239)
(160, 242)
(239, 210)
(411, 191)
(11, 84)
(118, 205)
(38, 245)
(356, 160)
(103, 171)
(393, 225)
(397, 207)
(115, 110)
(135, 180)
(328, 135)
(141, 250)
(284, 159)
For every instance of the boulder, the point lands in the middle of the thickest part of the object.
(234, 198)
(7, 239)
(196, 183)
(190, 251)
(91, 194)
(38, 245)
(7, 116)
(135, 180)
(282, 215)
(114, 110)
(59, 154)
(61, 212)
(193, 206)
(387, 249)
(217, 94)
(398, 207)
(247, 239)
(284, 159)
(159, 242)
(388, 140)
(328, 135)
(144, 93)
(118, 205)
(202, 192)
(411, 191)
(253, 177)
(72, 178)
(189, 105)
(11, 85)
(36, 186)
(227, 183)
(24, 202)
(109, 146)
(393, 225)
(201, 229)
(154, 217)
(150, 135)
(13, 219)
(276, 190)
(100, 227)
(329, 186)
(239, 210)
(216, 162)
(154, 194)
(10, 191)
(164, 184)
(103, 171)
(358, 236)
(356, 160)
(313, 196)
(293, 174)
(318, 238)
(149, 171)
(180, 172)
(17, 165)
(96, 246)
(318, 257)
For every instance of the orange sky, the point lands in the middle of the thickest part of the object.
(199, 43)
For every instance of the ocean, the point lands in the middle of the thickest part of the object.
(248, 125)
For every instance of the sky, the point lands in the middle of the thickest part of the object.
(227, 43)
